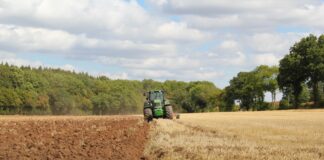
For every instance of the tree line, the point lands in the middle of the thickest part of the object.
(300, 77)
(26, 90)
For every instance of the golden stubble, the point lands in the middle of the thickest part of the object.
(239, 135)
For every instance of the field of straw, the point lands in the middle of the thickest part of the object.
(271, 135)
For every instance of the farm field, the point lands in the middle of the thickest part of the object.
(239, 135)
(233, 135)
(72, 137)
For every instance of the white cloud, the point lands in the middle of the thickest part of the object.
(216, 22)
(236, 58)
(227, 53)
(31, 39)
(246, 15)
(184, 75)
(152, 74)
(204, 75)
(167, 39)
(266, 59)
(119, 20)
(209, 7)
(45, 40)
(75, 14)
(273, 42)
(179, 31)
(229, 45)
(153, 62)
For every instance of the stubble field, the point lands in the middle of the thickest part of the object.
(271, 135)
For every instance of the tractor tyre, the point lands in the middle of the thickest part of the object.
(169, 112)
(148, 115)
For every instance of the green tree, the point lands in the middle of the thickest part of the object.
(304, 63)
(149, 84)
(268, 77)
(292, 75)
(248, 89)
(227, 99)
(315, 65)
(61, 101)
(204, 96)
(100, 103)
(9, 100)
(27, 90)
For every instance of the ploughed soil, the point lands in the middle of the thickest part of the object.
(72, 137)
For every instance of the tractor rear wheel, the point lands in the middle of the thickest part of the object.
(148, 115)
(169, 112)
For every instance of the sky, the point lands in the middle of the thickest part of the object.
(185, 40)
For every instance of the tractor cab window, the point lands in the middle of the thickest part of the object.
(156, 95)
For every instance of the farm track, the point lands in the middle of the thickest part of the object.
(68, 137)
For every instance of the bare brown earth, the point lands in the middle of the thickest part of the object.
(68, 137)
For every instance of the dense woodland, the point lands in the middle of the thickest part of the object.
(25, 90)
(300, 76)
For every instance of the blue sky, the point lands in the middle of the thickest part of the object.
(184, 40)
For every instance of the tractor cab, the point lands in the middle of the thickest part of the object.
(156, 95)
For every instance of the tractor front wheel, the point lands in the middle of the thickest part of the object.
(148, 115)
(169, 112)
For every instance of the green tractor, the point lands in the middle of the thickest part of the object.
(157, 106)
